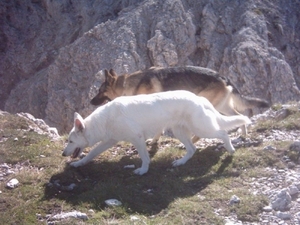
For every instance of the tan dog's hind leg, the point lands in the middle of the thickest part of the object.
(195, 139)
(155, 139)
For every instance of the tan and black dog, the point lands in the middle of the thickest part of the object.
(201, 81)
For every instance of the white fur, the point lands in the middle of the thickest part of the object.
(136, 118)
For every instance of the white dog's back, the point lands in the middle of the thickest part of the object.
(149, 114)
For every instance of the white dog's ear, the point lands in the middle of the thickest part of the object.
(78, 122)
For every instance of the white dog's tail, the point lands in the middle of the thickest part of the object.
(231, 122)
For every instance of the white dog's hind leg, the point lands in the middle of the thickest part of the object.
(222, 134)
(101, 147)
(183, 135)
(209, 128)
(143, 153)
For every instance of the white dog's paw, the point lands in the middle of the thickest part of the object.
(140, 171)
(231, 151)
(76, 164)
(178, 162)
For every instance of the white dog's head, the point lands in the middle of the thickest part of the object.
(76, 140)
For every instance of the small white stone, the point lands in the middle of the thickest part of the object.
(91, 211)
(201, 197)
(113, 202)
(9, 172)
(229, 222)
(134, 218)
(13, 183)
(129, 167)
(267, 208)
(74, 214)
(5, 166)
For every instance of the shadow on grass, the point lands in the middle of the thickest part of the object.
(147, 194)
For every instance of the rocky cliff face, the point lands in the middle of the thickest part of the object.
(53, 52)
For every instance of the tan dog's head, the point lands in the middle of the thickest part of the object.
(106, 90)
(76, 140)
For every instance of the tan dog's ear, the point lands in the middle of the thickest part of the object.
(106, 74)
(78, 122)
(113, 73)
(108, 77)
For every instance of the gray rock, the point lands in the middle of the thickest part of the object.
(51, 61)
(68, 187)
(297, 216)
(295, 146)
(74, 214)
(293, 189)
(270, 148)
(39, 126)
(113, 202)
(234, 200)
(281, 201)
(283, 215)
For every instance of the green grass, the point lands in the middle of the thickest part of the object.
(291, 122)
(189, 194)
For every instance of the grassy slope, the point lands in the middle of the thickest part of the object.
(189, 194)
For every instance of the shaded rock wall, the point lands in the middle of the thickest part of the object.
(54, 51)
(31, 34)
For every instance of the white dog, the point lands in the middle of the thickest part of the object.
(136, 118)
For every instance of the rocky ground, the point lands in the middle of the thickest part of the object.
(281, 186)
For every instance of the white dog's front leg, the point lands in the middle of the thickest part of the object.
(184, 136)
(77, 163)
(143, 153)
(101, 147)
